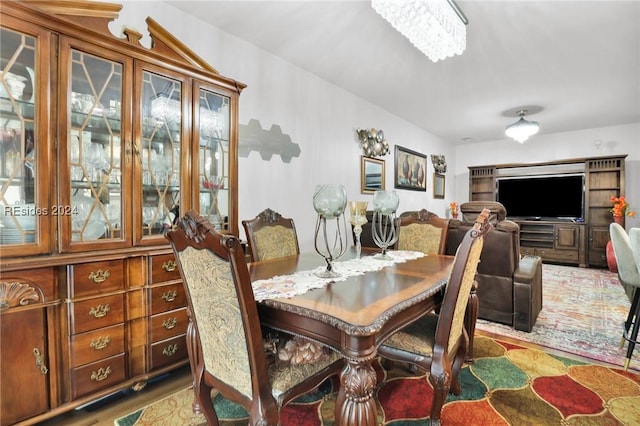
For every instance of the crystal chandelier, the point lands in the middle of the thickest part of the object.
(436, 27)
(522, 129)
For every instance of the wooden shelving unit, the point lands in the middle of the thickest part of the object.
(580, 244)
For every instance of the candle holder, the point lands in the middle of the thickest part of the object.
(385, 226)
(330, 201)
(357, 218)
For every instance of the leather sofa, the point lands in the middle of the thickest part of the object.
(509, 286)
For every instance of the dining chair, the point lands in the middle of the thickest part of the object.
(438, 343)
(270, 236)
(423, 231)
(224, 340)
(629, 275)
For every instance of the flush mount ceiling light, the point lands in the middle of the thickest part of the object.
(436, 27)
(522, 129)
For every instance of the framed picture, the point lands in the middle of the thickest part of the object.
(371, 175)
(410, 169)
(438, 185)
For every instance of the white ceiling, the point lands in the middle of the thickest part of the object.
(578, 60)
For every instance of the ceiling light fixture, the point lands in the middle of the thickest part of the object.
(522, 129)
(436, 27)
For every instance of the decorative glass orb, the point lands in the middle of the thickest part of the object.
(330, 201)
(385, 202)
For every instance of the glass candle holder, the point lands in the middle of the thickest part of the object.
(330, 201)
(357, 218)
(385, 226)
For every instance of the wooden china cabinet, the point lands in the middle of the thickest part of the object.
(103, 140)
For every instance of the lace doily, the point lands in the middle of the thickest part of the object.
(285, 286)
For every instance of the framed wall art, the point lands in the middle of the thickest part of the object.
(438, 185)
(410, 169)
(371, 175)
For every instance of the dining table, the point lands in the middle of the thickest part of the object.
(354, 313)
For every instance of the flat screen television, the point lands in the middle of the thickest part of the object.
(542, 197)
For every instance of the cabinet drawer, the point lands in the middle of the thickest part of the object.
(168, 351)
(164, 268)
(99, 375)
(96, 278)
(169, 324)
(96, 313)
(98, 344)
(167, 297)
(558, 255)
(39, 279)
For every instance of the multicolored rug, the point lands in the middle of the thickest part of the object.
(583, 313)
(508, 384)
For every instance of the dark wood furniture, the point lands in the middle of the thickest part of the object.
(270, 235)
(356, 315)
(225, 342)
(103, 140)
(580, 244)
(423, 231)
(438, 342)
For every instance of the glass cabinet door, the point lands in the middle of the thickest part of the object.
(20, 211)
(213, 157)
(94, 149)
(160, 152)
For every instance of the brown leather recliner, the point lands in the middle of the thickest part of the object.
(509, 287)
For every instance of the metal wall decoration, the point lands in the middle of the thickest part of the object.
(439, 163)
(373, 142)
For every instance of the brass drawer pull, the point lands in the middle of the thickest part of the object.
(170, 265)
(169, 296)
(99, 311)
(100, 343)
(99, 276)
(101, 374)
(169, 323)
(170, 350)
(39, 361)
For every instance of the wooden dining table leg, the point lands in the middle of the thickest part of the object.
(470, 319)
(355, 404)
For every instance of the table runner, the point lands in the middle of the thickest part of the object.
(286, 286)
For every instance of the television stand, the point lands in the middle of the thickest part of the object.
(560, 241)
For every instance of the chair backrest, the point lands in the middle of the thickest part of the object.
(634, 237)
(450, 327)
(423, 231)
(627, 269)
(271, 236)
(221, 305)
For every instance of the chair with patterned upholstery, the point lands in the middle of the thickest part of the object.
(629, 276)
(438, 343)
(224, 340)
(270, 236)
(422, 231)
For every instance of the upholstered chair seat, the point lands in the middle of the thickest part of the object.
(438, 343)
(224, 338)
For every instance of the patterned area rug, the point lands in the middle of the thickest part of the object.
(583, 313)
(508, 384)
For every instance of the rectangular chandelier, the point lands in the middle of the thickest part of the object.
(438, 28)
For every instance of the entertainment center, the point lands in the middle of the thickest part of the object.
(562, 206)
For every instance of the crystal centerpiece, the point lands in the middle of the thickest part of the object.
(385, 226)
(330, 201)
(357, 218)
